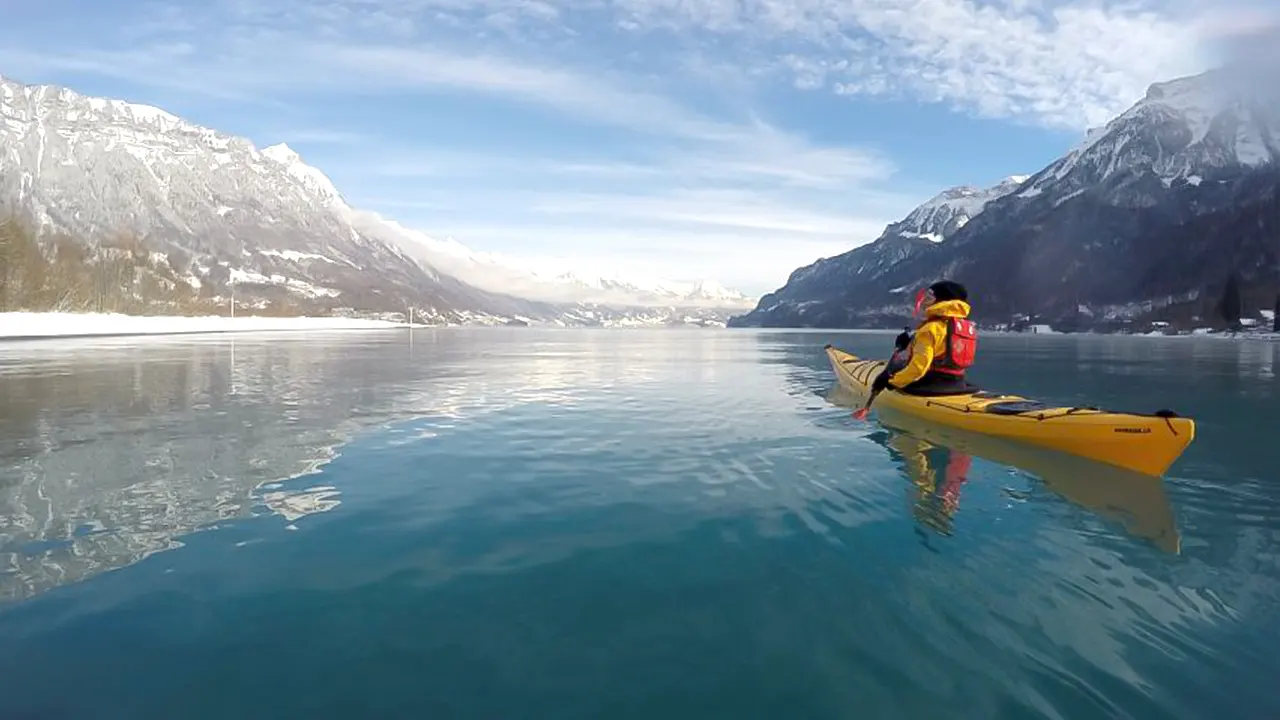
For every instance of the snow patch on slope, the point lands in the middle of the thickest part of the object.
(295, 256)
(942, 215)
(312, 178)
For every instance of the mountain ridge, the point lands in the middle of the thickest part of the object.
(922, 232)
(1086, 241)
(263, 220)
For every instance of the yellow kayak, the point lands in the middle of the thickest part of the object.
(1136, 501)
(1146, 444)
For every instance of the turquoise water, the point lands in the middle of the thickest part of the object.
(617, 524)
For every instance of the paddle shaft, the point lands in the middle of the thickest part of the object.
(876, 393)
(867, 408)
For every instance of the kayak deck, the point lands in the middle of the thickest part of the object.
(1148, 444)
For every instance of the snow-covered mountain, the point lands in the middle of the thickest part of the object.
(948, 211)
(218, 212)
(812, 293)
(225, 211)
(614, 288)
(1147, 216)
(544, 280)
(1187, 130)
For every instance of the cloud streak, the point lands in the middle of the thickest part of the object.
(306, 68)
(1058, 64)
(1061, 63)
(1065, 64)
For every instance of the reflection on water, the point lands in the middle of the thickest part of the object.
(937, 459)
(114, 449)
(112, 452)
(936, 485)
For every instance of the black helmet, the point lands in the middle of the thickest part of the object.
(944, 290)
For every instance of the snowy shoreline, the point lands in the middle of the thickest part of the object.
(33, 326)
(15, 326)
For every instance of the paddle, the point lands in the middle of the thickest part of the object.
(922, 296)
(861, 414)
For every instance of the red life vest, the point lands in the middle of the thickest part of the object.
(960, 348)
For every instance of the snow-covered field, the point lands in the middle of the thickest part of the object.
(18, 325)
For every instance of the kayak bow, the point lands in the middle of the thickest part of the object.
(1148, 444)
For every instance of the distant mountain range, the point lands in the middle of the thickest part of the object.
(217, 212)
(1144, 220)
(496, 273)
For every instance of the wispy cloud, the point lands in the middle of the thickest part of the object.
(1060, 64)
(304, 67)
(749, 238)
(400, 68)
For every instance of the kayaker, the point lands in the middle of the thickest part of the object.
(940, 351)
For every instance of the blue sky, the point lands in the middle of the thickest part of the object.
(734, 139)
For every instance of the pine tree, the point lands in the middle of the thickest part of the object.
(1231, 307)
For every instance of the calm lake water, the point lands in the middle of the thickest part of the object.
(516, 523)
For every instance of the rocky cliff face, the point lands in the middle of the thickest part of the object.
(94, 169)
(1148, 215)
(222, 216)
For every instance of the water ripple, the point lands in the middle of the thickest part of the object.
(523, 523)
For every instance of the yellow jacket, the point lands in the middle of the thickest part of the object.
(930, 341)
